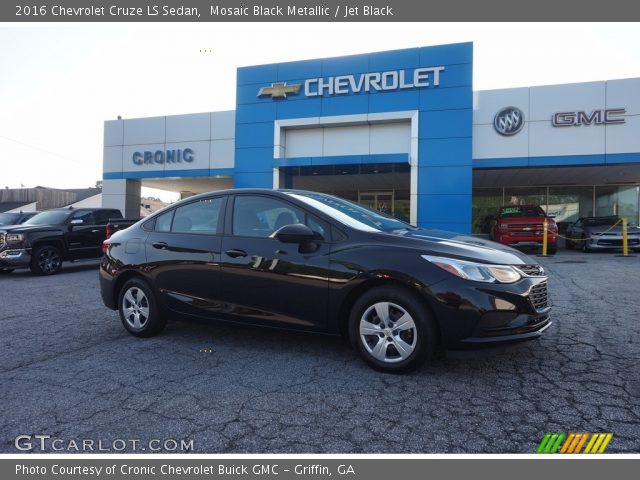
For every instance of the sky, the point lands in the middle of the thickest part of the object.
(60, 82)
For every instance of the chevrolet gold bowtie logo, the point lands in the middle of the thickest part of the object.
(279, 90)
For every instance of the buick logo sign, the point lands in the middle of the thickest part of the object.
(508, 121)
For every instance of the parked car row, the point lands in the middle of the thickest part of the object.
(523, 226)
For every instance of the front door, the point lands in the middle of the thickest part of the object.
(266, 281)
(81, 238)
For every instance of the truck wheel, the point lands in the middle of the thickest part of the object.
(4, 271)
(392, 330)
(46, 260)
(138, 309)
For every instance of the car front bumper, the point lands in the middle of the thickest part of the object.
(605, 242)
(485, 313)
(15, 258)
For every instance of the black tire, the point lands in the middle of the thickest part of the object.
(147, 322)
(569, 244)
(5, 271)
(46, 260)
(552, 250)
(419, 342)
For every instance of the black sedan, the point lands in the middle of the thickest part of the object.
(310, 261)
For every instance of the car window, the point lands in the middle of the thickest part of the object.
(86, 217)
(521, 211)
(198, 217)
(257, 216)
(318, 226)
(102, 216)
(163, 222)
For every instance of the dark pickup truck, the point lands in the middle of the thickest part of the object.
(44, 241)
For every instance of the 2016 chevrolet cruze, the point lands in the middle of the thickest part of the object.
(311, 261)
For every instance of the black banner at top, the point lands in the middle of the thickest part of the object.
(316, 11)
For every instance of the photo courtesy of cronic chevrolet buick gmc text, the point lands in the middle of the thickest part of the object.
(304, 260)
(47, 239)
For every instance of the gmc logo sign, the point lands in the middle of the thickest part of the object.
(597, 117)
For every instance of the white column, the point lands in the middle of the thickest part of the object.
(123, 194)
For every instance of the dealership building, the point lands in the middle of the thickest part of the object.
(400, 131)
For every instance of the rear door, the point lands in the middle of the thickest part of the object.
(183, 253)
(266, 281)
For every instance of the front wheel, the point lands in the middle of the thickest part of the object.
(138, 309)
(46, 260)
(4, 271)
(392, 330)
(585, 245)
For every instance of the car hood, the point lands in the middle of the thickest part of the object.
(26, 228)
(598, 230)
(451, 244)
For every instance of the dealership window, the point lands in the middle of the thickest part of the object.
(617, 200)
(486, 202)
(526, 196)
(569, 203)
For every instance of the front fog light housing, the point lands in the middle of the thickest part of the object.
(478, 272)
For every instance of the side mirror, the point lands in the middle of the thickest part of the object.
(294, 233)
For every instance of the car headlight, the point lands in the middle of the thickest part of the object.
(14, 237)
(478, 272)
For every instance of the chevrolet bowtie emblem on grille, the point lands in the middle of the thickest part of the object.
(279, 90)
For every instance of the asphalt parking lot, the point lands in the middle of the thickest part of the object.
(69, 370)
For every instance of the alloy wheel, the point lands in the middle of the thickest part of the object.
(49, 260)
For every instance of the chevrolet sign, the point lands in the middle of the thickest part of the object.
(364, 82)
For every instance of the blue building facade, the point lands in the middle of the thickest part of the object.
(438, 105)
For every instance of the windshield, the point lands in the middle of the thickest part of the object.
(8, 218)
(521, 211)
(52, 217)
(601, 222)
(352, 214)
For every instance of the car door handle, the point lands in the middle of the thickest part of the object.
(234, 253)
(95, 231)
(160, 245)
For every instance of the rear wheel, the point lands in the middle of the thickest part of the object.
(138, 309)
(392, 330)
(46, 260)
(552, 250)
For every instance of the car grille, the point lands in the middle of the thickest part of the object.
(2, 240)
(539, 296)
(525, 229)
(531, 270)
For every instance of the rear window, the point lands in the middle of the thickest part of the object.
(521, 211)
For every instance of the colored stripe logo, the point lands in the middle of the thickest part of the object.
(574, 443)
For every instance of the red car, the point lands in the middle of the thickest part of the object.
(522, 226)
